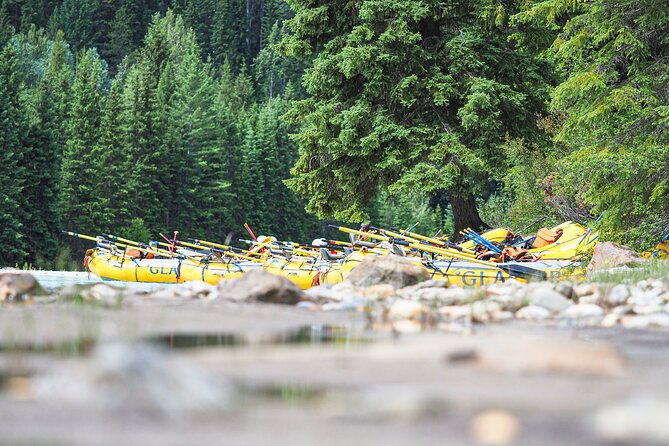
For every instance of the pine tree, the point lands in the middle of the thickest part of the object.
(6, 28)
(58, 79)
(75, 19)
(12, 175)
(408, 96)
(81, 199)
(142, 144)
(115, 161)
(42, 222)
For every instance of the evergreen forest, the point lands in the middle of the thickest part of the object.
(136, 117)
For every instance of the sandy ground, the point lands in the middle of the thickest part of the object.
(267, 374)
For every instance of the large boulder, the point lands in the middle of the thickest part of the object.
(17, 286)
(260, 286)
(612, 255)
(394, 270)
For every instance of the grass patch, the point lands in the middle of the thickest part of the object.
(653, 269)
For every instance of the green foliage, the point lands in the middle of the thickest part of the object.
(63, 260)
(81, 197)
(403, 211)
(612, 105)
(12, 172)
(414, 96)
(136, 230)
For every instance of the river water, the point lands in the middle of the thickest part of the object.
(51, 280)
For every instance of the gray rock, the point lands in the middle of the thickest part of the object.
(483, 311)
(18, 286)
(407, 309)
(454, 312)
(617, 296)
(586, 289)
(260, 286)
(594, 299)
(347, 305)
(583, 311)
(622, 310)
(306, 305)
(427, 284)
(326, 294)
(195, 289)
(566, 289)
(134, 378)
(103, 293)
(437, 296)
(548, 298)
(611, 255)
(646, 299)
(394, 270)
(657, 320)
(510, 302)
(610, 320)
(533, 313)
(501, 316)
(647, 309)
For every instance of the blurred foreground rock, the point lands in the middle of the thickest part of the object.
(134, 378)
(18, 287)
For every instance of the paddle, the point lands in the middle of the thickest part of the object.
(227, 251)
(283, 248)
(478, 239)
(227, 248)
(416, 238)
(248, 229)
(512, 269)
(161, 252)
(120, 245)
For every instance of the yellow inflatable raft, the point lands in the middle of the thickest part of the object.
(112, 266)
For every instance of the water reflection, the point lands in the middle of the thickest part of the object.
(338, 335)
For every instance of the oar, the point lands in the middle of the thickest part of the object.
(592, 226)
(513, 269)
(416, 238)
(120, 245)
(159, 251)
(137, 245)
(248, 229)
(275, 246)
(479, 239)
(226, 251)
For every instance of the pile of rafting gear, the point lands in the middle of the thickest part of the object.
(494, 256)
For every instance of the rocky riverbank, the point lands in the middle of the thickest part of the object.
(384, 358)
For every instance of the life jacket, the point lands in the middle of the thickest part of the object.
(546, 237)
(511, 253)
(134, 253)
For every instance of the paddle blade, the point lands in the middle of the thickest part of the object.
(524, 272)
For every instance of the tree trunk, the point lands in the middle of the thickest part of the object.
(465, 214)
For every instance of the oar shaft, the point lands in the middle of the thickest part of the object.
(81, 236)
(427, 248)
(416, 238)
(137, 245)
(276, 246)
